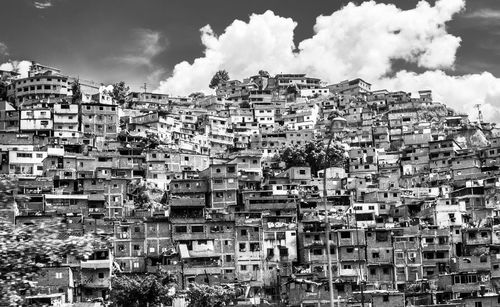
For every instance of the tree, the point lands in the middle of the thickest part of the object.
(313, 154)
(141, 290)
(146, 195)
(196, 95)
(219, 77)
(120, 92)
(76, 90)
(245, 105)
(151, 141)
(200, 295)
(25, 249)
(264, 74)
(3, 90)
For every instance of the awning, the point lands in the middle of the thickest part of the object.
(96, 197)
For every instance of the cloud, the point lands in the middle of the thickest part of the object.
(358, 40)
(355, 41)
(144, 45)
(21, 67)
(4, 51)
(484, 13)
(459, 92)
(42, 4)
(244, 48)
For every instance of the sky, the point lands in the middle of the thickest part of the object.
(175, 46)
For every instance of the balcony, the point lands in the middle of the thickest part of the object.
(96, 264)
(97, 211)
(187, 202)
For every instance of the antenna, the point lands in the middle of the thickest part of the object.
(479, 113)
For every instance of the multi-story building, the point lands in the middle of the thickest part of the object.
(99, 120)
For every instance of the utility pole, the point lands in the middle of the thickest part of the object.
(327, 219)
(361, 285)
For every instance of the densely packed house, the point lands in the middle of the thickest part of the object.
(194, 186)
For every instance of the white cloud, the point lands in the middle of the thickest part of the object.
(143, 47)
(21, 67)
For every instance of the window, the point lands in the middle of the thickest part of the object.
(317, 252)
(137, 247)
(100, 275)
(24, 155)
(283, 252)
(478, 304)
(302, 171)
(345, 235)
(180, 229)
(59, 275)
(243, 232)
(243, 267)
(197, 228)
(229, 258)
(373, 271)
(375, 255)
(347, 267)
(349, 249)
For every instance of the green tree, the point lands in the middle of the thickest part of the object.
(120, 92)
(219, 77)
(313, 154)
(141, 290)
(200, 295)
